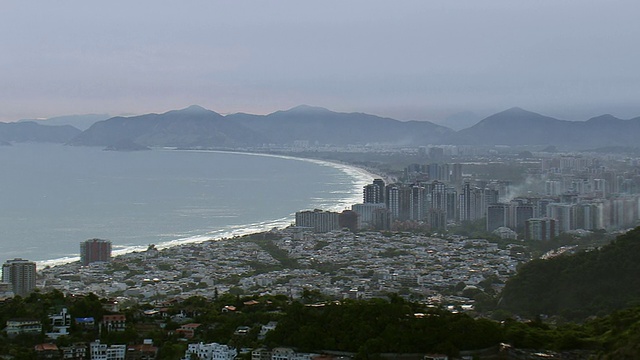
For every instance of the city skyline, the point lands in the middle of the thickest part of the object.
(419, 60)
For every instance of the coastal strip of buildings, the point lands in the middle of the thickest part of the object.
(577, 194)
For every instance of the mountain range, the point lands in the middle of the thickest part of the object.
(82, 122)
(30, 131)
(199, 127)
(516, 126)
(196, 127)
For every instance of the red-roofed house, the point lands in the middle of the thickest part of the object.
(188, 331)
(229, 308)
(47, 351)
(145, 351)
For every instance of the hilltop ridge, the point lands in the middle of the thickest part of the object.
(198, 127)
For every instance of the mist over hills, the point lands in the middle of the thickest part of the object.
(320, 125)
(197, 127)
(82, 122)
(30, 131)
(516, 126)
(190, 127)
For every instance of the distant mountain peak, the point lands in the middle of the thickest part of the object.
(195, 108)
(515, 115)
(307, 109)
(516, 110)
(603, 119)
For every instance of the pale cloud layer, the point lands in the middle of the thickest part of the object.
(417, 59)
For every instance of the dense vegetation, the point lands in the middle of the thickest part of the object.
(577, 286)
(380, 326)
(364, 327)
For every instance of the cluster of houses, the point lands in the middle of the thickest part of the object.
(338, 264)
(60, 323)
(97, 351)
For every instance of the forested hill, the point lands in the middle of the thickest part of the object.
(581, 285)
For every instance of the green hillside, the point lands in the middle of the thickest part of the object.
(577, 286)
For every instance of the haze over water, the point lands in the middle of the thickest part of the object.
(52, 197)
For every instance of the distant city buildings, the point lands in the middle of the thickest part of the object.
(21, 274)
(578, 193)
(95, 250)
(434, 197)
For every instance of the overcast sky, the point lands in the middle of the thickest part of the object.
(411, 59)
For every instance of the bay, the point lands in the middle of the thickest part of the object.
(52, 197)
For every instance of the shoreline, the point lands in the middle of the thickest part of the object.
(359, 175)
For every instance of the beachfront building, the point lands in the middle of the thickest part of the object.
(21, 274)
(366, 213)
(320, 221)
(95, 250)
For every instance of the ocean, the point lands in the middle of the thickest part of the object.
(52, 197)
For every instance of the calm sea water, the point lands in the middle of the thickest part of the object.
(52, 197)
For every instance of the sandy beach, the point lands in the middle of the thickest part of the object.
(360, 177)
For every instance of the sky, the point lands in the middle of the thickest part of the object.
(409, 60)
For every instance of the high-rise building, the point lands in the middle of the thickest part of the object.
(320, 221)
(456, 174)
(374, 193)
(521, 213)
(540, 229)
(370, 194)
(382, 219)
(586, 215)
(433, 170)
(439, 196)
(465, 203)
(21, 274)
(348, 219)
(381, 189)
(553, 187)
(491, 196)
(95, 250)
(471, 204)
(405, 201)
(497, 216)
(563, 214)
(392, 199)
(437, 219)
(452, 204)
(365, 214)
(417, 203)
